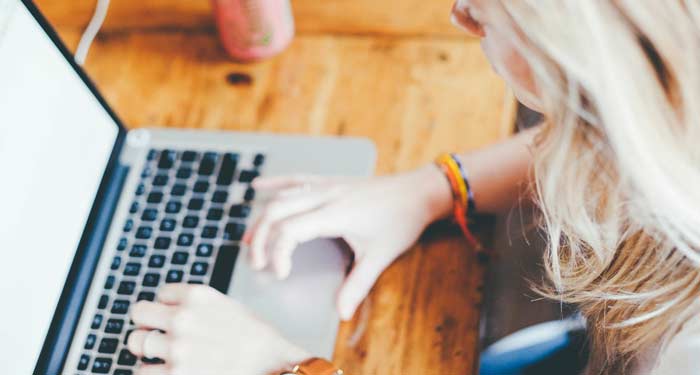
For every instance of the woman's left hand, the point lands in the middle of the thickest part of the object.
(197, 330)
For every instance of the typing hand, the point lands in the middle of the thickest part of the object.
(206, 332)
(379, 218)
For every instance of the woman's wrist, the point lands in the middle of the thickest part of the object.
(436, 192)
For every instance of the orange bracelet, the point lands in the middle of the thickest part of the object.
(461, 195)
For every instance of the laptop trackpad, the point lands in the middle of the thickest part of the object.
(302, 307)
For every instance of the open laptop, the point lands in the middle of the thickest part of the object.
(94, 217)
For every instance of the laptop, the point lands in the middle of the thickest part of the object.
(94, 217)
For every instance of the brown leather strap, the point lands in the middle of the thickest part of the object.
(318, 366)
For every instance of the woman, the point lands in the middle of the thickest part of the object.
(614, 170)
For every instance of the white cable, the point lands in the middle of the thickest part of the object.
(91, 31)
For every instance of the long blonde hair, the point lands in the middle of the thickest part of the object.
(617, 170)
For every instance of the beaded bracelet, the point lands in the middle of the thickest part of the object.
(462, 195)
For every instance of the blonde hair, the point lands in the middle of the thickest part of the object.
(617, 169)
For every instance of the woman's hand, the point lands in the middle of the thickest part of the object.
(206, 332)
(379, 218)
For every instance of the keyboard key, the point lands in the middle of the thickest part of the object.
(101, 365)
(173, 207)
(240, 211)
(189, 156)
(126, 358)
(195, 204)
(126, 288)
(208, 163)
(140, 190)
(96, 322)
(259, 160)
(180, 257)
(167, 225)
(83, 362)
(123, 371)
(109, 283)
(223, 268)
(185, 239)
(128, 225)
(220, 196)
(123, 242)
(144, 233)
(104, 300)
(167, 159)
(174, 276)
(234, 231)
(152, 155)
(155, 197)
(147, 172)
(205, 250)
(149, 214)
(249, 194)
(120, 306)
(137, 251)
(90, 341)
(201, 187)
(126, 336)
(228, 169)
(116, 262)
(184, 173)
(146, 296)
(134, 208)
(108, 346)
(190, 221)
(210, 231)
(114, 326)
(178, 190)
(247, 176)
(199, 268)
(215, 214)
(162, 243)
(151, 279)
(132, 269)
(160, 180)
(195, 282)
(156, 261)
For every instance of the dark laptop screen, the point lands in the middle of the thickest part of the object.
(55, 142)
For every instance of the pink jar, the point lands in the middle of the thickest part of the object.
(254, 29)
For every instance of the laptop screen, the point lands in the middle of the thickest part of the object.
(55, 143)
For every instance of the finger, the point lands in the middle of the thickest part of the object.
(179, 293)
(358, 284)
(152, 315)
(148, 343)
(162, 369)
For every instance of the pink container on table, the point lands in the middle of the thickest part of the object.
(254, 29)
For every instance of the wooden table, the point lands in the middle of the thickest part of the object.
(394, 71)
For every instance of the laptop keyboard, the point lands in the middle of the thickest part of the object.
(185, 222)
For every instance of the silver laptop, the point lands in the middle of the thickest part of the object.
(94, 217)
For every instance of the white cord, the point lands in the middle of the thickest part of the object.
(91, 31)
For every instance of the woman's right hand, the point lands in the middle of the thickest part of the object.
(379, 218)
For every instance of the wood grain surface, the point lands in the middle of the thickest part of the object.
(392, 71)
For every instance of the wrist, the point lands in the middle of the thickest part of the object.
(436, 192)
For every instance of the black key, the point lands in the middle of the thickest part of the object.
(156, 261)
(123, 371)
(108, 346)
(174, 276)
(249, 194)
(128, 225)
(234, 231)
(167, 159)
(151, 279)
(178, 190)
(126, 337)
(140, 190)
(185, 239)
(155, 197)
(96, 322)
(126, 358)
(116, 262)
(134, 208)
(114, 326)
(152, 154)
(240, 211)
(189, 156)
(162, 243)
(179, 257)
(223, 268)
(104, 300)
(195, 282)
(201, 187)
(137, 251)
(84, 361)
(123, 242)
(199, 268)
(152, 361)
(215, 214)
(126, 288)
(208, 163)
(147, 172)
(209, 231)
(101, 365)
(173, 207)
(167, 225)
(190, 221)
(109, 283)
(184, 172)
(220, 196)
(248, 175)
(149, 214)
(144, 233)
(90, 341)
(146, 296)
(205, 250)
(132, 269)
(160, 180)
(259, 160)
(120, 306)
(228, 169)
(195, 204)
